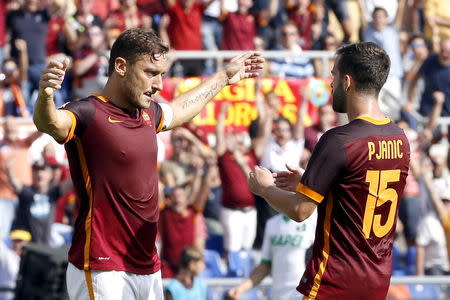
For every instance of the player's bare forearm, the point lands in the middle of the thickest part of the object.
(49, 120)
(296, 206)
(187, 105)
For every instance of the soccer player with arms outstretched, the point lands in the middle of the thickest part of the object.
(110, 139)
(355, 178)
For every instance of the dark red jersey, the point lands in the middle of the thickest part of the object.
(357, 173)
(112, 157)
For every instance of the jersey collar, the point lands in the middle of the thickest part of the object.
(375, 121)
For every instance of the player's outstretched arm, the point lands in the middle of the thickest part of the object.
(257, 275)
(46, 117)
(296, 206)
(187, 105)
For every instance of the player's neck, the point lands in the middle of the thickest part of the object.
(364, 105)
(113, 92)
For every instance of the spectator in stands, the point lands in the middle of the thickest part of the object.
(61, 36)
(327, 120)
(411, 207)
(271, 15)
(235, 161)
(301, 12)
(341, 12)
(282, 145)
(437, 20)
(90, 64)
(327, 43)
(128, 16)
(181, 222)
(10, 261)
(431, 255)
(368, 7)
(283, 255)
(12, 145)
(12, 92)
(103, 8)
(187, 285)
(442, 209)
(30, 23)
(239, 28)
(283, 142)
(214, 197)
(212, 28)
(385, 35)
(82, 20)
(35, 211)
(298, 66)
(178, 169)
(435, 101)
(181, 28)
(414, 57)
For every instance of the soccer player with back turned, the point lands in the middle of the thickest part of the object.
(355, 178)
(110, 140)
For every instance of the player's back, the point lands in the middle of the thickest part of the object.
(357, 173)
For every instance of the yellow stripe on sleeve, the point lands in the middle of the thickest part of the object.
(303, 189)
(161, 122)
(72, 127)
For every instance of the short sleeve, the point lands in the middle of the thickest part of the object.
(266, 251)
(82, 112)
(159, 115)
(324, 167)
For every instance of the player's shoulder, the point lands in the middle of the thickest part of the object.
(84, 102)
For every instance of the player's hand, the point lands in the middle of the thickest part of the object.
(259, 180)
(52, 77)
(288, 180)
(244, 66)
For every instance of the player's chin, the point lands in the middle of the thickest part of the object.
(144, 102)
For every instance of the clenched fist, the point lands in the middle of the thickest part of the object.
(52, 77)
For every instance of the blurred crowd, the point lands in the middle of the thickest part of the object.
(203, 182)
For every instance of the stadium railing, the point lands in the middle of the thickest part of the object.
(267, 282)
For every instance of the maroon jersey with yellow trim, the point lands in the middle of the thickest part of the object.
(357, 173)
(112, 156)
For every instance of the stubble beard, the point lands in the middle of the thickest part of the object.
(339, 100)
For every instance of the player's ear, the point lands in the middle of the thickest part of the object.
(120, 66)
(348, 82)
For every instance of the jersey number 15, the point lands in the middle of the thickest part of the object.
(378, 195)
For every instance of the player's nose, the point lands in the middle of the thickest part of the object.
(157, 83)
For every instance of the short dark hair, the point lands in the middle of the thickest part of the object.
(283, 119)
(367, 63)
(378, 8)
(134, 43)
(190, 254)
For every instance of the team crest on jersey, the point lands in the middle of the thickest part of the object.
(146, 118)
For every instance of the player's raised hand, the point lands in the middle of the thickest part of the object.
(260, 179)
(52, 77)
(244, 66)
(288, 180)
